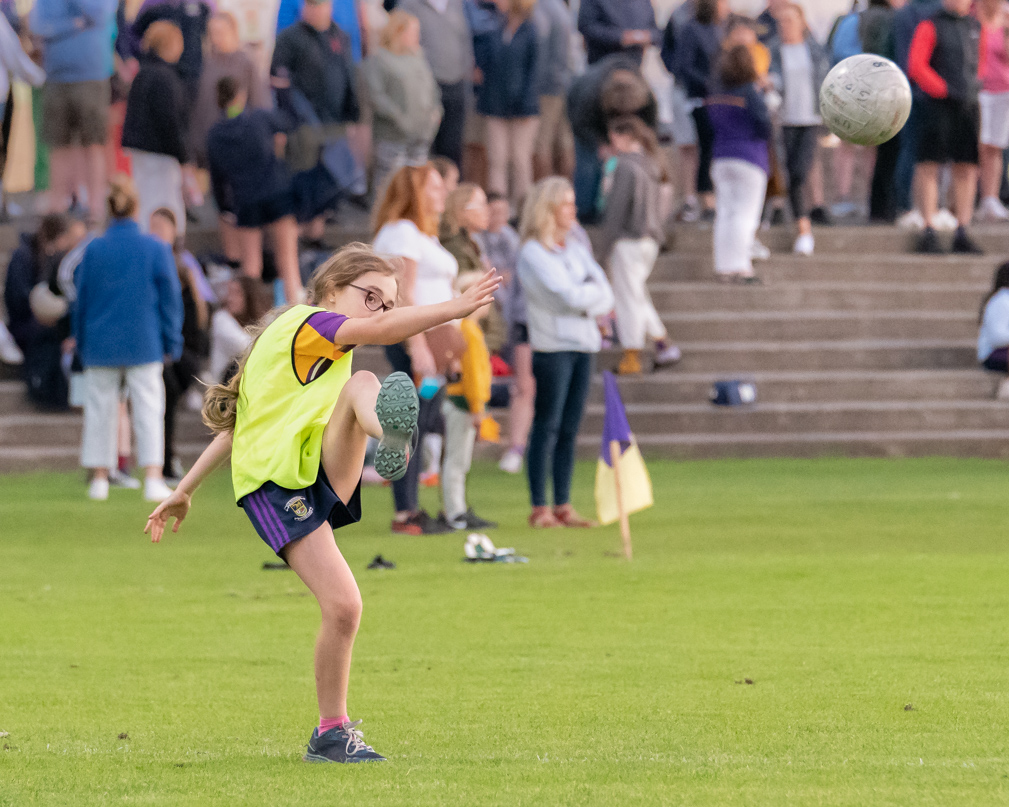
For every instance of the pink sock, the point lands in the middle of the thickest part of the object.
(327, 723)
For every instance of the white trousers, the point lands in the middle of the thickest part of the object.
(158, 178)
(631, 262)
(460, 435)
(102, 386)
(739, 199)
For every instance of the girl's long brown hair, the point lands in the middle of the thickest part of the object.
(633, 126)
(220, 403)
(405, 198)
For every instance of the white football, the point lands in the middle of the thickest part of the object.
(865, 99)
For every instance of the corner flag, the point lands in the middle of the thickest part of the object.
(622, 483)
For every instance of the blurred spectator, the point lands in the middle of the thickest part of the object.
(191, 17)
(345, 14)
(500, 244)
(252, 186)
(697, 49)
(448, 45)
(683, 128)
(448, 171)
(465, 410)
(313, 75)
(406, 226)
(798, 67)
(127, 322)
(994, 101)
(77, 41)
(224, 57)
(943, 62)
(13, 62)
(555, 147)
(875, 31)
(508, 98)
(404, 97)
(155, 132)
(610, 88)
(767, 21)
(740, 164)
(180, 374)
(631, 232)
(565, 290)
(247, 301)
(617, 26)
(39, 343)
(905, 21)
(993, 336)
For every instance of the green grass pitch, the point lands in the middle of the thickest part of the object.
(867, 601)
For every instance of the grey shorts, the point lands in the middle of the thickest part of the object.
(76, 113)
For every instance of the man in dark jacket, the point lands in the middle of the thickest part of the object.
(617, 26)
(945, 63)
(192, 19)
(313, 74)
(611, 87)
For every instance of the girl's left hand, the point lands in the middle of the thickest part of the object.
(175, 506)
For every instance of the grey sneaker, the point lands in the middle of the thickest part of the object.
(342, 744)
(397, 408)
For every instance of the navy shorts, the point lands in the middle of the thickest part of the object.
(266, 211)
(282, 516)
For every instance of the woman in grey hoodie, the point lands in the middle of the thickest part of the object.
(404, 96)
(630, 235)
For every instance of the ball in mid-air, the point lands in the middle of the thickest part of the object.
(865, 99)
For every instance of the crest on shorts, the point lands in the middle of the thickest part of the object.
(299, 508)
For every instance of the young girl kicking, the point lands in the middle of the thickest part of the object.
(295, 423)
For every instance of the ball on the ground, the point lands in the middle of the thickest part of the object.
(865, 99)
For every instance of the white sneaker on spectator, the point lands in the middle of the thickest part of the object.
(155, 490)
(118, 479)
(511, 462)
(759, 252)
(10, 353)
(912, 220)
(991, 209)
(98, 490)
(691, 210)
(804, 245)
(670, 354)
(944, 221)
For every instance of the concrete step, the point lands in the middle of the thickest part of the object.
(845, 240)
(856, 268)
(787, 325)
(832, 295)
(807, 417)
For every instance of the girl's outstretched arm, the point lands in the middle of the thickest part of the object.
(391, 327)
(177, 505)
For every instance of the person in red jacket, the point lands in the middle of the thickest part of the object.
(945, 63)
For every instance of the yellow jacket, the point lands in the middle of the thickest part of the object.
(474, 383)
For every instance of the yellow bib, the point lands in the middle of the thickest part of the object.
(280, 420)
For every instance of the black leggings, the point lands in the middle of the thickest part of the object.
(705, 140)
(800, 149)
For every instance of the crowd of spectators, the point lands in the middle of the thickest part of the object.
(553, 117)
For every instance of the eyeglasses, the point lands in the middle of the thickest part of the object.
(371, 300)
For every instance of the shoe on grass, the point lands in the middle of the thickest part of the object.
(511, 462)
(397, 408)
(98, 490)
(156, 490)
(567, 517)
(542, 518)
(471, 521)
(120, 479)
(421, 523)
(341, 744)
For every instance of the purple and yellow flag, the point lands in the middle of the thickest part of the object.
(635, 484)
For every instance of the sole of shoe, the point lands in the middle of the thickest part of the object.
(397, 408)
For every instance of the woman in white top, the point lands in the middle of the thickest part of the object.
(565, 290)
(406, 225)
(993, 334)
(798, 66)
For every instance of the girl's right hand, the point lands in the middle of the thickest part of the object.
(479, 294)
(175, 506)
